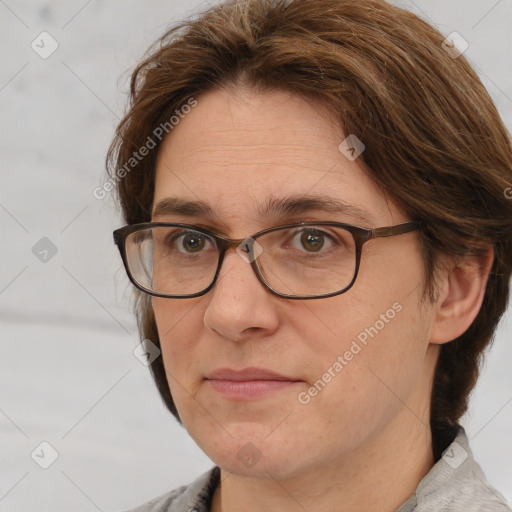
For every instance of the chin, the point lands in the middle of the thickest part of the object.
(255, 451)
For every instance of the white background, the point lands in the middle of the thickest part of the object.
(67, 372)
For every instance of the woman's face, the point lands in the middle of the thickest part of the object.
(367, 350)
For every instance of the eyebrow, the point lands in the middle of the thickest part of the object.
(273, 207)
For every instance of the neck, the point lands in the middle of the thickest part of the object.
(379, 477)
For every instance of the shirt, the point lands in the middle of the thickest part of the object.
(455, 483)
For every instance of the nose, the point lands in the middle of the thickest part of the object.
(240, 306)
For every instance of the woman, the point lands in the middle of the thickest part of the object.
(319, 236)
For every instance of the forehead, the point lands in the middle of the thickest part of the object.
(239, 151)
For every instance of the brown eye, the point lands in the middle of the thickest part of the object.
(191, 242)
(312, 241)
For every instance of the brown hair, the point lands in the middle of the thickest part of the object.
(434, 139)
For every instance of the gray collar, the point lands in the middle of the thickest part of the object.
(455, 482)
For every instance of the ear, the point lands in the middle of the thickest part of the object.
(461, 288)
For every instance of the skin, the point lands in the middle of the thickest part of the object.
(368, 429)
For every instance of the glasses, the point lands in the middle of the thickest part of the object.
(307, 260)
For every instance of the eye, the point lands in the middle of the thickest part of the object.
(311, 240)
(190, 241)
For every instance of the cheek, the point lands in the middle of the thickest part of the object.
(179, 328)
(369, 358)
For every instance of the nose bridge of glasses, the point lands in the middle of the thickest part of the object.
(244, 247)
(245, 250)
(224, 243)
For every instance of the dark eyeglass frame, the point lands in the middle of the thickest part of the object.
(360, 235)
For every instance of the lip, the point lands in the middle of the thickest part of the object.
(249, 383)
(251, 373)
